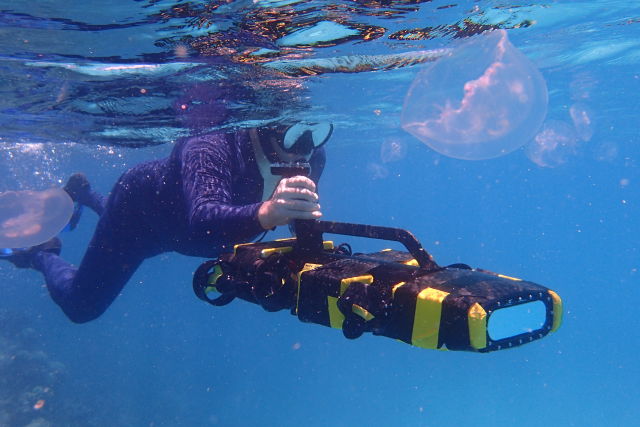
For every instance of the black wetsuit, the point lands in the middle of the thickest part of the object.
(199, 201)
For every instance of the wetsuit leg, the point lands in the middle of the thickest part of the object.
(116, 250)
(96, 202)
(84, 293)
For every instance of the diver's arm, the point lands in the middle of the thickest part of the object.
(208, 163)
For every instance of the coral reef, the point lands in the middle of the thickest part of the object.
(30, 379)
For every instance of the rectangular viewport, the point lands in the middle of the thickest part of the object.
(517, 319)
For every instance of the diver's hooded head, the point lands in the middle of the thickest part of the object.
(291, 142)
(285, 149)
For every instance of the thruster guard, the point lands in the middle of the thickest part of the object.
(397, 294)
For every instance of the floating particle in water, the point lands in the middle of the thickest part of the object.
(482, 101)
(39, 404)
(181, 51)
(582, 118)
(32, 165)
(393, 150)
(553, 145)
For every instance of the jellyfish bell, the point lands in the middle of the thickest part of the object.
(484, 100)
(28, 218)
(582, 118)
(392, 150)
(554, 145)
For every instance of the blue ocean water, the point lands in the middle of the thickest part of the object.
(99, 88)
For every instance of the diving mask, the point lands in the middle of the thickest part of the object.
(293, 143)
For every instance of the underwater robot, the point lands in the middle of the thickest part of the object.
(403, 295)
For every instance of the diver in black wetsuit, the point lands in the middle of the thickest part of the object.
(212, 192)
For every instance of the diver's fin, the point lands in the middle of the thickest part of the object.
(23, 258)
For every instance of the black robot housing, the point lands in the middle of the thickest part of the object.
(397, 294)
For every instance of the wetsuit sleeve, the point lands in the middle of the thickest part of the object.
(208, 164)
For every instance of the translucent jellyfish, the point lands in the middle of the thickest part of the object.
(606, 151)
(392, 150)
(377, 171)
(554, 145)
(582, 85)
(582, 118)
(28, 218)
(482, 101)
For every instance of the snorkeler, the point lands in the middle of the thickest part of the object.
(213, 191)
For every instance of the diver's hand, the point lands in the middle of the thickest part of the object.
(293, 198)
